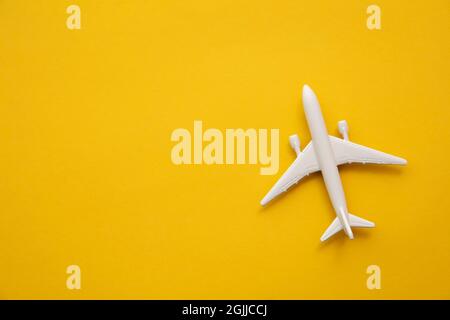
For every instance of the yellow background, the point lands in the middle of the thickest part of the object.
(86, 176)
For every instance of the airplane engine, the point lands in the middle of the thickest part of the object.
(294, 141)
(343, 129)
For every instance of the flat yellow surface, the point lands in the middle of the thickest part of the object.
(86, 176)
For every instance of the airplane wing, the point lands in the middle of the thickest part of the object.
(305, 164)
(349, 152)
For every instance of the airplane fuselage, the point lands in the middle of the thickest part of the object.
(326, 159)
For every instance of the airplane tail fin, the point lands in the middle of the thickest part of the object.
(354, 221)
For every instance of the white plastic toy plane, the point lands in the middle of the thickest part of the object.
(325, 153)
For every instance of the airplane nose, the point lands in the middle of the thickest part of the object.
(307, 92)
(306, 87)
(310, 103)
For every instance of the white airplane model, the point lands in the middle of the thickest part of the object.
(324, 154)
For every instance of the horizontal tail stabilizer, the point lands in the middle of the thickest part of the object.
(334, 228)
(360, 222)
(354, 221)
